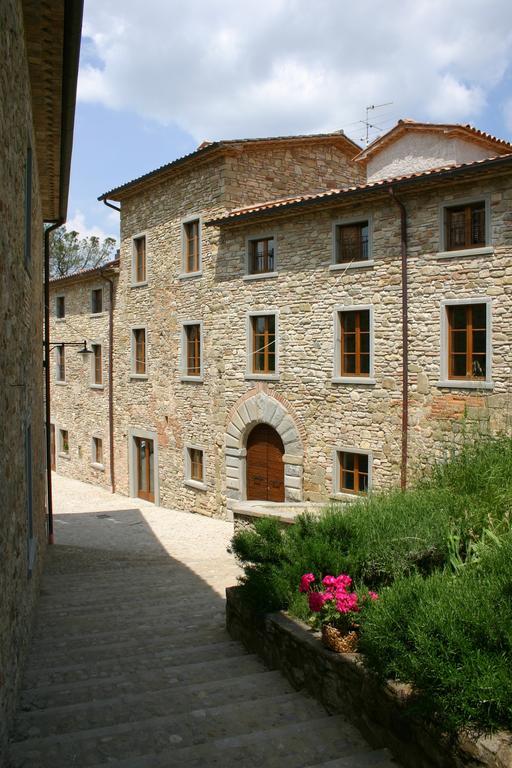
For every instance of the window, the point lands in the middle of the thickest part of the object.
(352, 242)
(28, 208)
(467, 341)
(261, 256)
(263, 344)
(97, 301)
(191, 247)
(97, 365)
(139, 266)
(97, 451)
(60, 307)
(193, 363)
(465, 226)
(63, 442)
(139, 351)
(353, 472)
(355, 343)
(195, 467)
(60, 363)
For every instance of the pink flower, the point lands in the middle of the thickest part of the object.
(316, 601)
(343, 580)
(330, 581)
(373, 595)
(306, 581)
(347, 602)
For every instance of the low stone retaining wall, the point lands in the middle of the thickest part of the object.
(343, 684)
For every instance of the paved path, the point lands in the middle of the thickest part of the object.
(130, 664)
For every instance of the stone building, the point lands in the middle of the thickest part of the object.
(39, 49)
(297, 320)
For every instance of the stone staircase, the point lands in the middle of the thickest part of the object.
(131, 667)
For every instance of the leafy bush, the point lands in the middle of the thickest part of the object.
(451, 636)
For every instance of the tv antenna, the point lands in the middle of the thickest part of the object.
(369, 125)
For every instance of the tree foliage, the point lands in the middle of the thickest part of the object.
(69, 253)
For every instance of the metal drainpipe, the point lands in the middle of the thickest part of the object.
(47, 374)
(405, 340)
(111, 379)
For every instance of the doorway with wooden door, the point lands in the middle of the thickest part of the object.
(265, 467)
(144, 468)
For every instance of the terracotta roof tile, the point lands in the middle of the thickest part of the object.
(87, 272)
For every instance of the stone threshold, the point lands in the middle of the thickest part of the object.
(344, 685)
(285, 512)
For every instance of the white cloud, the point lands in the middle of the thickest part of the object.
(77, 223)
(225, 68)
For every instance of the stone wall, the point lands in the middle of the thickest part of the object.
(78, 405)
(21, 393)
(343, 684)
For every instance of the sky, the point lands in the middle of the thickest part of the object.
(160, 76)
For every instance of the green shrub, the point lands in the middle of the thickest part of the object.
(451, 636)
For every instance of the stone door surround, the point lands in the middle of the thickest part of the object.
(262, 408)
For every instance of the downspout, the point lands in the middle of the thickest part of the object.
(114, 207)
(405, 339)
(111, 379)
(47, 374)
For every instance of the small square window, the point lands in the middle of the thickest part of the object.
(139, 268)
(60, 363)
(352, 242)
(139, 351)
(467, 341)
(64, 442)
(353, 472)
(196, 465)
(263, 344)
(191, 246)
(97, 301)
(97, 364)
(60, 307)
(97, 450)
(261, 257)
(465, 226)
(193, 349)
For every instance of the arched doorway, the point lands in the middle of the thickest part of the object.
(265, 467)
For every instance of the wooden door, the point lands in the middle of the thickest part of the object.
(52, 447)
(265, 468)
(144, 454)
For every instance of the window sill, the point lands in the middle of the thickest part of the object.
(97, 386)
(195, 484)
(61, 383)
(62, 455)
(487, 250)
(346, 496)
(97, 314)
(352, 265)
(192, 379)
(100, 467)
(462, 384)
(188, 275)
(261, 377)
(60, 319)
(139, 285)
(261, 276)
(354, 380)
(139, 376)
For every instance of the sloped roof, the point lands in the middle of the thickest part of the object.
(207, 150)
(85, 274)
(468, 132)
(289, 203)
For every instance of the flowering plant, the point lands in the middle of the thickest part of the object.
(333, 601)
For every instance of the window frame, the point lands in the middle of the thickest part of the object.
(94, 463)
(249, 373)
(60, 364)
(248, 275)
(340, 492)
(188, 480)
(59, 297)
(484, 250)
(345, 222)
(444, 380)
(184, 274)
(135, 283)
(102, 310)
(60, 445)
(337, 378)
(184, 375)
(133, 366)
(94, 383)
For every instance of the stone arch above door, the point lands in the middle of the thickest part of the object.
(262, 408)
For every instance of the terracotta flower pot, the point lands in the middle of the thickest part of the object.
(341, 642)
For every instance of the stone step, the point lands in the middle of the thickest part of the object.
(173, 665)
(378, 758)
(171, 699)
(133, 601)
(154, 734)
